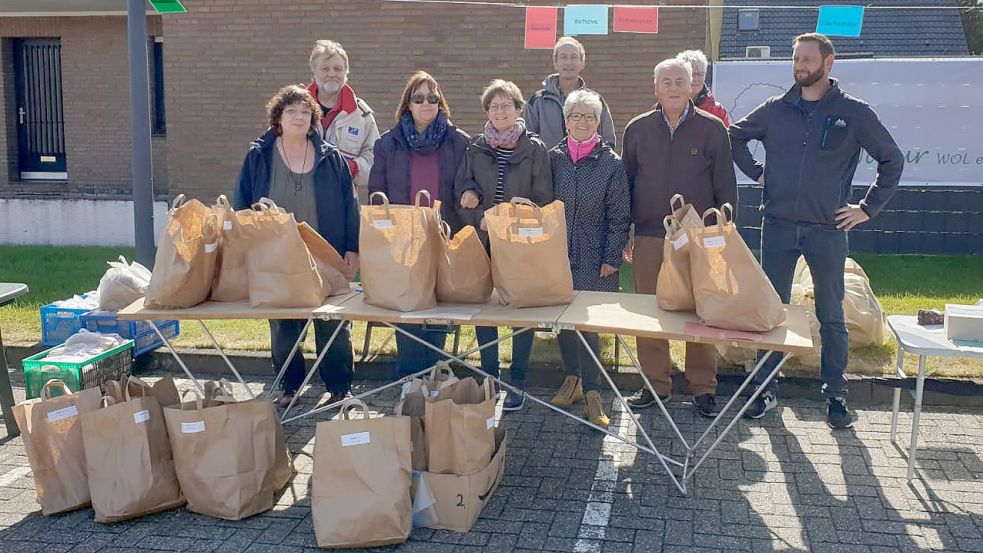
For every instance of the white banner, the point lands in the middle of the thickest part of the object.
(933, 108)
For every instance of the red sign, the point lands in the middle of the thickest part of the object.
(540, 27)
(636, 20)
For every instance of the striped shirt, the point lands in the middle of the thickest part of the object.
(502, 162)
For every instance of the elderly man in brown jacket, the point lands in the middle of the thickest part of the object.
(673, 149)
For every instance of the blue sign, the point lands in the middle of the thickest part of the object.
(585, 20)
(840, 20)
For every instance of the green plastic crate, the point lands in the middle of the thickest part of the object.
(111, 365)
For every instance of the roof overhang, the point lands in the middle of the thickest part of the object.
(65, 8)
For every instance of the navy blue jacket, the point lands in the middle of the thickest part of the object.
(812, 156)
(337, 204)
(391, 169)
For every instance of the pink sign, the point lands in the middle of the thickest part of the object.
(540, 27)
(636, 20)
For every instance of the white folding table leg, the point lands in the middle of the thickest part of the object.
(226, 358)
(896, 405)
(739, 414)
(312, 370)
(919, 388)
(293, 351)
(177, 357)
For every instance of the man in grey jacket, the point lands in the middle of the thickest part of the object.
(544, 111)
(813, 135)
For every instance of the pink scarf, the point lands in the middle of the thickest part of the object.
(580, 150)
(508, 138)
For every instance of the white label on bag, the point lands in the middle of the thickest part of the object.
(382, 224)
(227, 225)
(62, 414)
(141, 416)
(192, 427)
(209, 248)
(434, 393)
(490, 423)
(358, 438)
(680, 242)
(532, 231)
(713, 242)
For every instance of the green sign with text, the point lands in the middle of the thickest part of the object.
(168, 6)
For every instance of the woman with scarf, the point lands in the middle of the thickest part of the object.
(504, 162)
(592, 183)
(421, 152)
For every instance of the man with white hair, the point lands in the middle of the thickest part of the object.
(674, 149)
(347, 122)
(700, 92)
(544, 111)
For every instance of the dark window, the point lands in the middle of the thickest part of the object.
(159, 122)
(747, 20)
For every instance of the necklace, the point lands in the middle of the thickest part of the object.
(295, 177)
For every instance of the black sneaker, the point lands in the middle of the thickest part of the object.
(765, 402)
(837, 414)
(513, 401)
(644, 398)
(706, 404)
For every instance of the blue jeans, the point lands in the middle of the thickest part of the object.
(412, 356)
(336, 368)
(825, 250)
(577, 361)
(521, 350)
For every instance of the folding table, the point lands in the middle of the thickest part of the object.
(8, 293)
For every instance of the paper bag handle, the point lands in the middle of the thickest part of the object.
(445, 230)
(223, 201)
(728, 211)
(224, 392)
(143, 386)
(46, 389)
(416, 201)
(197, 398)
(113, 388)
(677, 198)
(671, 224)
(352, 404)
(442, 367)
(526, 201)
(719, 217)
(178, 202)
(385, 201)
(487, 386)
(107, 401)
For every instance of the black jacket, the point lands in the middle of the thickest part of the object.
(812, 156)
(337, 204)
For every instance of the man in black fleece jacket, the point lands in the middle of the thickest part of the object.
(813, 135)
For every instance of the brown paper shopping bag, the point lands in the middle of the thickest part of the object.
(184, 266)
(685, 213)
(335, 273)
(459, 425)
(398, 247)
(231, 274)
(412, 404)
(463, 269)
(729, 286)
(360, 486)
(230, 457)
(674, 289)
(282, 271)
(53, 441)
(529, 261)
(128, 456)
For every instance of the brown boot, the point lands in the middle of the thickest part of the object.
(594, 409)
(570, 392)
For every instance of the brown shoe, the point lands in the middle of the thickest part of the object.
(570, 392)
(594, 409)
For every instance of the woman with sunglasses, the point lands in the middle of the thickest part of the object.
(504, 162)
(591, 181)
(421, 152)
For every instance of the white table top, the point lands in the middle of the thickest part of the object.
(927, 340)
(231, 310)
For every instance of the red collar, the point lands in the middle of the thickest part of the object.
(346, 98)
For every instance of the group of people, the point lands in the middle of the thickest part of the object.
(323, 144)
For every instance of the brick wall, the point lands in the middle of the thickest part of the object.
(95, 86)
(225, 58)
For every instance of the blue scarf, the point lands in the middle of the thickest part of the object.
(430, 139)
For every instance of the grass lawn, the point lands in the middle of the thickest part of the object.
(903, 283)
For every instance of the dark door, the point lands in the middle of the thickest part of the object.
(40, 119)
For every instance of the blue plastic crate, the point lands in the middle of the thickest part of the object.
(58, 323)
(149, 340)
(105, 322)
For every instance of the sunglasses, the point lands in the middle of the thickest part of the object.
(429, 98)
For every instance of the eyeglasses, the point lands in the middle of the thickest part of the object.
(506, 107)
(588, 117)
(429, 98)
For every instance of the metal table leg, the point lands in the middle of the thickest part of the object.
(7, 395)
(919, 388)
(896, 405)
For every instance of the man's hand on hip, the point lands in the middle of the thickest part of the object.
(850, 216)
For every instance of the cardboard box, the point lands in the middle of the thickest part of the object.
(964, 324)
(452, 502)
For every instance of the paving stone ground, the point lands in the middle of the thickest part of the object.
(784, 483)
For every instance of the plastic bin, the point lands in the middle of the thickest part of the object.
(149, 340)
(58, 323)
(111, 365)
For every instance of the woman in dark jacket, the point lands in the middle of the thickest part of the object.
(590, 180)
(293, 166)
(421, 152)
(504, 162)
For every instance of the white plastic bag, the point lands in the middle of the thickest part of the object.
(122, 284)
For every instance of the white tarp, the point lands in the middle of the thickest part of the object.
(933, 108)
